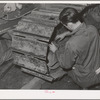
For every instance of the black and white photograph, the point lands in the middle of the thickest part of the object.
(50, 46)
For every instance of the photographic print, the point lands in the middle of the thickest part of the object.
(51, 46)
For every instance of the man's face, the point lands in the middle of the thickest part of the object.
(70, 26)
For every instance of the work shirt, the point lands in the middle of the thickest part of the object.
(82, 54)
(92, 16)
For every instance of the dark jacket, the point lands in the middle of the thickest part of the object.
(82, 54)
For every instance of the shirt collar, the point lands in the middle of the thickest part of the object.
(82, 26)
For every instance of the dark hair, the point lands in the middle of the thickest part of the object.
(69, 15)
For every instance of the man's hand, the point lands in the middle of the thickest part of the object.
(58, 73)
(62, 36)
(53, 48)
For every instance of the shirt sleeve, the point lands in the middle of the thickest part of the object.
(67, 57)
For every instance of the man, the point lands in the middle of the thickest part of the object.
(91, 15)
(81, 53)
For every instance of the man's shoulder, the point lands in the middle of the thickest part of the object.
(91, 28)
(91, 31)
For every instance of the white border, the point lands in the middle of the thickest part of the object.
(41, 94)
(72, 2)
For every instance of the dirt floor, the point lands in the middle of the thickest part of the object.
(14, 78)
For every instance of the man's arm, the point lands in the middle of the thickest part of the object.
(66, 60)
(67, 57)
(63, 35)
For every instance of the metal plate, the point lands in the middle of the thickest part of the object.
(45, 77)
(35, 28)
(30, 62)
(32, 46)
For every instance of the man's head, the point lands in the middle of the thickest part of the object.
(69, 17)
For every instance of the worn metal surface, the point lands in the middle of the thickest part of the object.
(30, 62)
(38, 28)
(45, 77)
(58, 7)
(32, 46)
